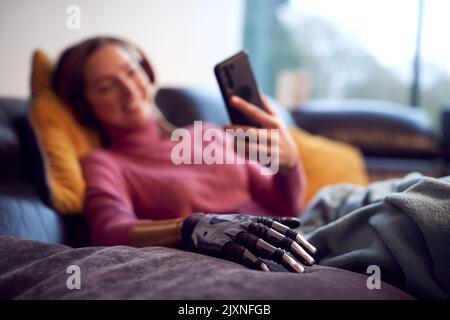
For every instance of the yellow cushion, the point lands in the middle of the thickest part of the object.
(61, 138)
(328, 162)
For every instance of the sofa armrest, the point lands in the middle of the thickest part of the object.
(378, 128)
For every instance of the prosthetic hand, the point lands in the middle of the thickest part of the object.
(248, 239)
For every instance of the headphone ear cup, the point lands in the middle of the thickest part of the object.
(139, 56)
(148, 70)
(145, 64)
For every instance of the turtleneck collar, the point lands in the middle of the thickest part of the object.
(142, 135)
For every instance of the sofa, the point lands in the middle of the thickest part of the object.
(37, 243)
(395, 139)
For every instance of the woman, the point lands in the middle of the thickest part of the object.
(137, 196)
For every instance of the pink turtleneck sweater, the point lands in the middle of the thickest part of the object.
(135, 178)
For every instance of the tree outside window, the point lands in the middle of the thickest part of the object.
(351, 49)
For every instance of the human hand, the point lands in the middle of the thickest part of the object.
(285, 145)
(247, 239)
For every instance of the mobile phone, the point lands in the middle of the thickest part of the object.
(235, 77)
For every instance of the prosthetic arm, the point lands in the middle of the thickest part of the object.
(248, 239)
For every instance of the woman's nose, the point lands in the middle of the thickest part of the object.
(127, 88)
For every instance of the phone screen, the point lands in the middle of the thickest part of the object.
(235, 77)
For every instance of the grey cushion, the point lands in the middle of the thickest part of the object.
(35, 270)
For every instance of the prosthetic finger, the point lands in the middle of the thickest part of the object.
(277, 239)
(267, 251)
(284, 230)
(291, 222)
(238, 253)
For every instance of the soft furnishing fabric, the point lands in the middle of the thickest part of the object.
(328, 162)
(36, 270)
(400, 225)
(62, 140)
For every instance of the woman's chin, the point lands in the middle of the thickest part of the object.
(138, 121)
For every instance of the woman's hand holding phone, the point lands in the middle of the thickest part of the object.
(286, 147)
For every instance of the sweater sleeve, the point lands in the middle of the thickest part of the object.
(108, 205)
(282, 192)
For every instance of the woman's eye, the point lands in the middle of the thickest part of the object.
(104, 89)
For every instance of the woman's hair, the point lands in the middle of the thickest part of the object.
(68, 77)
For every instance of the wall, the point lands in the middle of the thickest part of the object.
(183, 38)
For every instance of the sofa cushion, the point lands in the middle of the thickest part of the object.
(38, 271)
(22, 214)
(378, 128)
(327, 162)
(63, 141)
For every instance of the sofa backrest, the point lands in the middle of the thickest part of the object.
(182, 106)
(12, 167)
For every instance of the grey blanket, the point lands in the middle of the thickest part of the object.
(400, 225)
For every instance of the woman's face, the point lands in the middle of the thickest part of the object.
(117, 88)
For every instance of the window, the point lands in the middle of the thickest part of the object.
(350, 49)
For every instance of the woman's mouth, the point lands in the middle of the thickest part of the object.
(129, 109)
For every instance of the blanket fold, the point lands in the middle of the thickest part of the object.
(400, 225)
